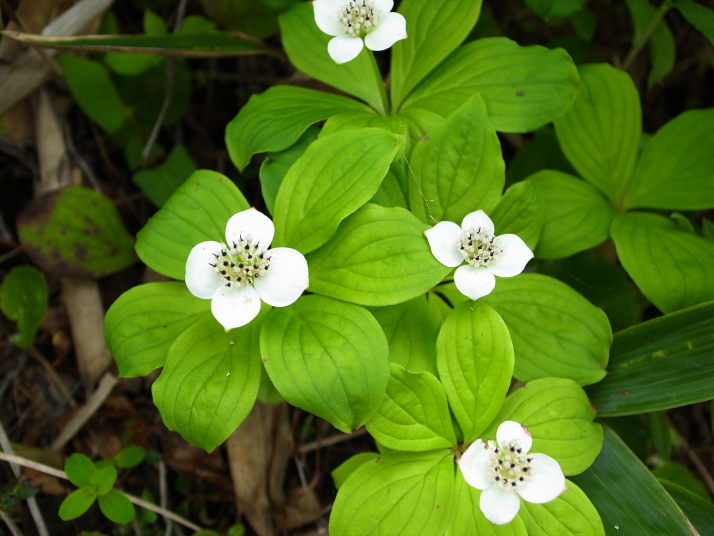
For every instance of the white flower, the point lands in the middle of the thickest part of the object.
(486, 255)
(503, 473)
(349, 21)
(238, 274)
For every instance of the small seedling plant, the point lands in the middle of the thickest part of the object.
(390, 282)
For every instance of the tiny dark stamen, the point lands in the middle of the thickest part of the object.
(497, 478)
(521, 479)
(211, 264)
(247, 247)
(255, 266)
(519, 450)
(240, 265)
(228, 285)
(261, 255)
(257, 276)
(225, 263)
(223, 272)
(512, 449)
(513, 484)
(250, 256)
(227, 278)
(233, 265)
(216, 256)
(525, 469)
(239, 279)
(224, 253)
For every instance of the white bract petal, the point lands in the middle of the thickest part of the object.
(513, 256)
(351, 21)
(444, 243)
(478, 220)
(507, 471)
(202, 279)
(473, 282)
(285, 280)
(237, 274)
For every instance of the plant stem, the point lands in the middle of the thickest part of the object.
(642, 41)
(384, 109)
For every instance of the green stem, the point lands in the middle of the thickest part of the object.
(642, 41)
(384, 108)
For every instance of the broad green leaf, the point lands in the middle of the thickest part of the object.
(79, 469)
(554, 9)
(474, 355)
(116, 507)
(145, 321)
(130, 456)
(555, 331)
(198, 211)
(23, 298)
(76, 503)
(379, 256)
(435, 29)
(160, 182)
(699, 512)
(306, 47)
(627, 496)
(398, 493)
(467, 518)
(660, 364)
(541, 152)
(93, 90)
(521, 212)
(671, 267)
(558, 415)
(571, 514)
(681, 475)
(345, 469)
(275, 119)
(361, 119)
(578, 216)
(699, 16)
(133, 64)
(524, 88)
(676, 169)
(662, 47)
(414, 414)
(335, 176)
(600, 134)
(327, 357)
(457, 167)
(75, 232)
(390, 193)
(276, 165)
(661, 434)
(411, 329)
(103, 479)
(209, 382)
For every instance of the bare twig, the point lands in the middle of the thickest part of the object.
(12, 459)
(163, 496)
(10, 524)
(332, 440)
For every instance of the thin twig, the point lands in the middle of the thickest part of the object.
(644, 38)
(333, 440)
(163, 496)
(31, 502)
(14, 529)
(12, 459)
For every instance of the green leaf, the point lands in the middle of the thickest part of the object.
(554, 9)
(116, 507)
(327, 357)
(93, 90)
(558, 415)
(145, 321)
(675, 169)
(335, 176)
(660, 364)
(361, 119)
(435, 29)
(76, 503)
(390, 192)
(398, 493)
(411, 329)
(345, 469)
(275, 119)
(570, 514)
(457, 167)
(474, 355)
(629, 501)
(524, 88)
(130, 456)
(23, 298)
(662, 47)
(699, 16)
(379, 256)
(198, 211)
(698, 511)
(681, 475)
(414, 415)
(578, 216)
(542, 151)
(276, 165)
(160, 182)
(209, 382)
(79, 469)
(467, 517)
(133, 64)
(661, 433)
(671, 267)
(75, 232)
(520, 212)
(600, 134)
(306, 47)
(555, 331)
(103, 479)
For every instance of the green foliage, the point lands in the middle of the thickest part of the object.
(554, 9)
(699, 16)
(662, 47)
(130, 456)
(116, 506)
(76, 232)
(340, 474)
(699, 512)
(160, 182)
(520, 211)
(23, 298)
(76, 503)
(327, 357)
